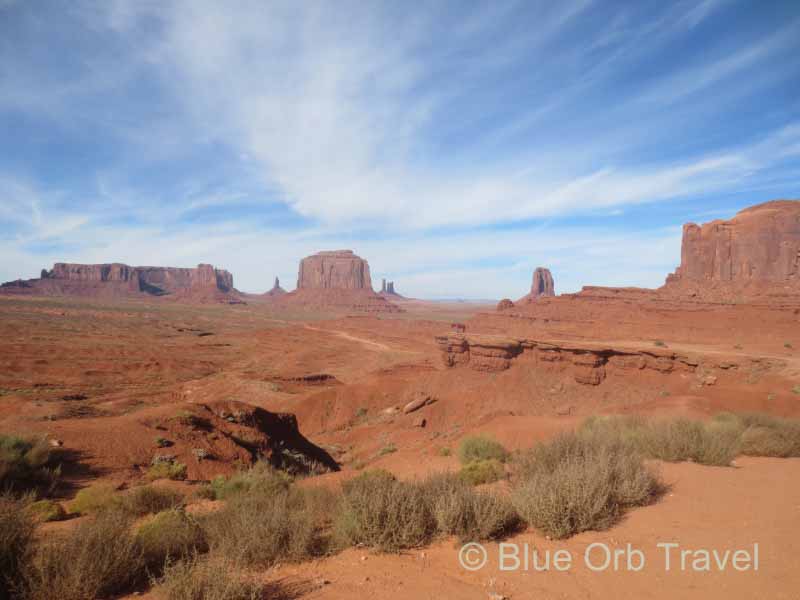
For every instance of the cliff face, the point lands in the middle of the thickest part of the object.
(336, 269)
(117, 279)
(758, 249)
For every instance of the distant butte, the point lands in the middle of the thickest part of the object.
(541, 286)
(276, 290)
(339, 280)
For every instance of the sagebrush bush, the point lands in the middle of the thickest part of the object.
(147, 499)
(261, 527)
(100, 557)
(261, 479)
(95, 498)
(577, 483)
(461, 511)
(205, 579)
(671, 440)
(169, 535)
(479, 472)
(765, 435)
(25, 464)
(479, 447)
(166, 470)
(45, 511)
(377, 510)
(16, 540)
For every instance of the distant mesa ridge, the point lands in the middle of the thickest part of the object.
(118, 279)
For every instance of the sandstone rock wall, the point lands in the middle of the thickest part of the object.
(759, 247)
(337, 269)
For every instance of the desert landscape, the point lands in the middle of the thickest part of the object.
(159, 390)
(375, 300)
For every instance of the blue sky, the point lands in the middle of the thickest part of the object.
(455, 145)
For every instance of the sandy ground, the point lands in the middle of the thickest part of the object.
(92, 374)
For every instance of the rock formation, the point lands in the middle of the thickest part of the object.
(337, 280)
(755, 252)
(276, 290)
(335, 269)
(117, 279)
(388, 291)
(505, 304)
(541, 286)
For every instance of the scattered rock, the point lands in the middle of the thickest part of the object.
(420, 399)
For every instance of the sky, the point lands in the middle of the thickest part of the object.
(454, 145)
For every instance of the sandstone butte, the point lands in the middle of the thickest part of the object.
(542, 286)
(204, 283)
(337, 279)
(276, 290)
(387, 289)
(756, 253)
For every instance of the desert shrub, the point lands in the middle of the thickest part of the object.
(577, 483)
(204, 579)
(46, 510)
(671, 440)
(25, 463)
(95, 498)
(379, 511)
(660, 343)
(166, 470)
(98, 558)
(461, 511)
(262, 527)
(147, 499)
(482, 471)
(261, 479)
(169, 535)
(387, 449)
(16, 538)
(479, 447)
(445, 451)
(765, 435)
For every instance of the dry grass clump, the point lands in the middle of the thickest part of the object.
(480, 472)
(147, 499)
(480, 447)
(99, 558)
(95, 498)
(577, 483)
(45, 511)
(169, 535)
(25, 463)
(16, 539)
(268, 525)
(203, 579)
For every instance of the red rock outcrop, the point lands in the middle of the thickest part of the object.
(276, 290)
(542, 285)
(334, 269)
(117, 279)
(755, 252)
(505, 304)
(337, 280)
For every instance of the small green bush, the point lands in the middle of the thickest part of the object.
(387, 449)
(482, 471)
(445, 451)
(479, 447)
(99, 558)
(166, 470)
(45, 511)
(169, 535)
(25, 464)
(95, 498)
(205, 579)
(578, 482)
(147, 499)
(16, 542)
(261, 479)
(660, 343)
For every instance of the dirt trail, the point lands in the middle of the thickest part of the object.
(344, 335)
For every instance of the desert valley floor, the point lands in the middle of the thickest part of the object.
(99, 377)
